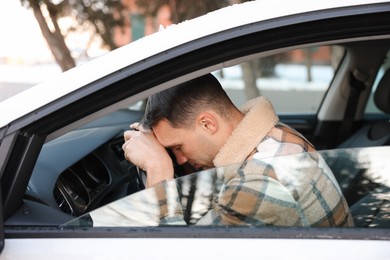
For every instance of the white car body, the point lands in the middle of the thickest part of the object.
(173, 248)
(119, 246)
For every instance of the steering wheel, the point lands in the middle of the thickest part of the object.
(140, 175)
(137, 180)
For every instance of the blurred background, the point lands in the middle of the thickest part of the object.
(42, 38)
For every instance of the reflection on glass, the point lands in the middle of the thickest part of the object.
(363, 175)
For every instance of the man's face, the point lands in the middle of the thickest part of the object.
(192, 146)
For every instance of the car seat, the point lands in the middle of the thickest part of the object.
(376, 134)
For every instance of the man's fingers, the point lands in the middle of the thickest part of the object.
(138, 127)
(135, 126)
(127, 135)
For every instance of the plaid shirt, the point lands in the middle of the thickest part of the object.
(278, 179)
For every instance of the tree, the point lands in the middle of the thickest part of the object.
(104, 16)
(107, 15)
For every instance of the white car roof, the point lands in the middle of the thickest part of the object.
(172, 36)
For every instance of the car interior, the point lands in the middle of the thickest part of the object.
(84, 169)
(376, 133)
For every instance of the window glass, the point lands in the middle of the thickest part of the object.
(363, 177)
(188, 200)
(294, 81)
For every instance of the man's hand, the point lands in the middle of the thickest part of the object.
(143, 150)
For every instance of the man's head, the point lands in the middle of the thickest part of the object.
(193, 119)
(181, 104)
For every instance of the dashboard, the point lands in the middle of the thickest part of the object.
(80, 171)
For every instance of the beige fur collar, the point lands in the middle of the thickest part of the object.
(259, 119)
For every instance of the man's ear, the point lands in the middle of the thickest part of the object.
(208, 122)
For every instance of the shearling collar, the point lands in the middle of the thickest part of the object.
(259, 119)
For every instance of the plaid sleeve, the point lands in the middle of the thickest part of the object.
(299, 168)
(254, 196)
(254, 200)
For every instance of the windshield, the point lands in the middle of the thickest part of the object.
(284, 191)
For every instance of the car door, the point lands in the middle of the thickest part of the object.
(24, 138)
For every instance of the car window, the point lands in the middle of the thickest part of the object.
(362, 174)
(363, 177)
(294, 81)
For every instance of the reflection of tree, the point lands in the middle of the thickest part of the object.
(365, 192)
(348, 171)
(190, 200)
(197, 194)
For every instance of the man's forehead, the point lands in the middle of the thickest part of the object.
(165, 133)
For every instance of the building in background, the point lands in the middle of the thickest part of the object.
(138, 25)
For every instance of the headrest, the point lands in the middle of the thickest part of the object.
(382, 93)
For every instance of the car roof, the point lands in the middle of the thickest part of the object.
(214, 22)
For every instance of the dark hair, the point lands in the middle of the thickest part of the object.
(181, 104)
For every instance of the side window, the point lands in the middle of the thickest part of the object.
(294, 81)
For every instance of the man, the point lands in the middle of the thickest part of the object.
(201, 126)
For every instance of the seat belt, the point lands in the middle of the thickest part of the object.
(357, 85)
